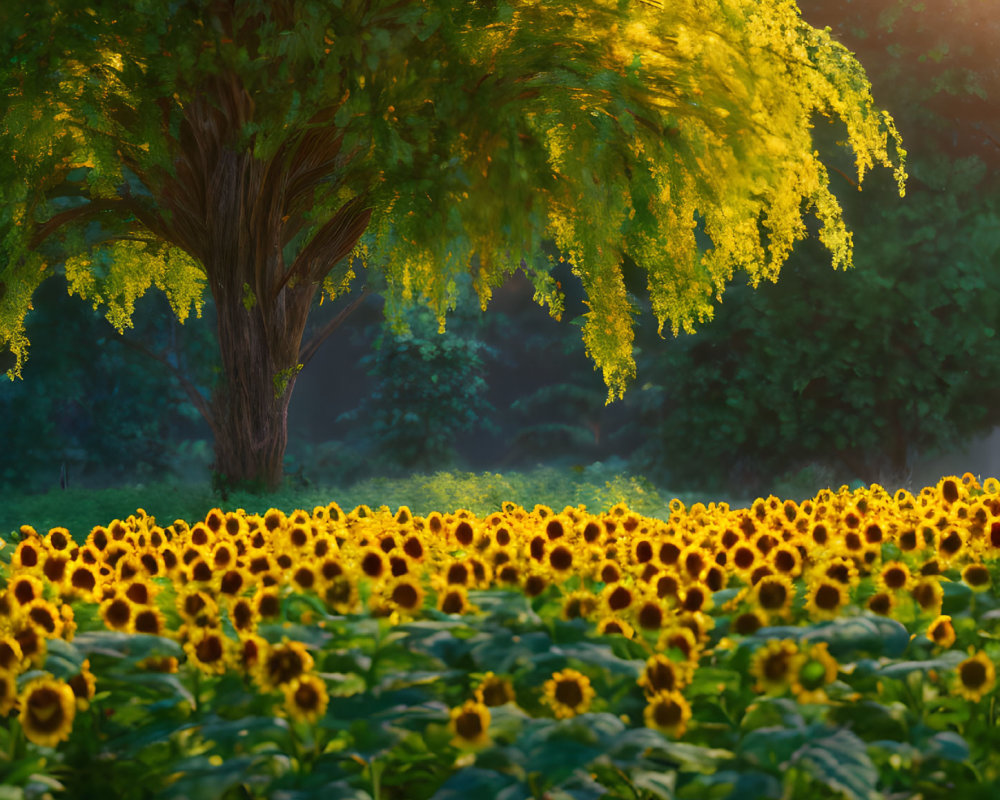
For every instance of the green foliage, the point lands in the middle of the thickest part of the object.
(856, 372)
(463, 129)
(598, 486)
(93, 403)
(429, 389)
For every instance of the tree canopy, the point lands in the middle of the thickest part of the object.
(471, 130)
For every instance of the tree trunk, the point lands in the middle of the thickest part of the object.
(259, 336)
(250, 407)
(236, 213)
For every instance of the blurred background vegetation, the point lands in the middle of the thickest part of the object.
(821, 379)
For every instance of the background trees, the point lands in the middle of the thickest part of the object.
(854, 375)
(249, 149)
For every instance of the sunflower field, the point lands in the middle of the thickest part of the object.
(843, 646)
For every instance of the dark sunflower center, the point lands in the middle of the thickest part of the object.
(569, 693)
(45, 711)
(668, 714)
(469, 725)
(973, 674)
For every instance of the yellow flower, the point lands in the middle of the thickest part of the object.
(282, 664)
(975, 677)
(306, 698)
(773, 665)
(495, 691)
(610, 626)
(11, 658)
(942, 632)
(815, 669)
(45, 617)
(453, 600)
(825, 599)
(8, 692)
(470, 723)
(405, 595)
(83, 684)
(894, 577)
(976, 577)
(928, 594)
(663, 675)
(48, 707)
(206, 649)
(116, 612)
(667, 712)
(568, 693)
(882, 603)
(23, 589)
(774, 594)
(581, 603)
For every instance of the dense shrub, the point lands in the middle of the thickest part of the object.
(429, 390)
(857, 370)
(91, 407)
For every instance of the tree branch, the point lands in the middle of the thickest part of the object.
(309, 350)
(189, 388)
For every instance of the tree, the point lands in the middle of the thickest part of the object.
(257, 149)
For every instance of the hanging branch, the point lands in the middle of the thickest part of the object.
(189, 388)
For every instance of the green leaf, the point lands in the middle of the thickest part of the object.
(839, 760)
(473, 782)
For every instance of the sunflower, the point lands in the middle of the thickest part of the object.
(8, 692)
(882, 603)
(684, 642)
(695, 597)
(579, 604)
(23, 589)
(975, 677)
(663, 675)
(11, 657)
(825, 598)
(249, 654)
(815, 669)
(615, 626)
(197, 608)
(942, 632)
(84, 685)
(568, 693)
(58, 539)
(406, 596)
(976, 577)
(304, 576)
(306, 698)
(28, 556)
(46, 617)
(649, 614)
(206, 649)
(495, 691)
(774, 595)
(266, 603)
(928, 595)
(55, 568)
(617, 598)
(470, 723)
(894, 577)
(282, 664)
(48, 707)
(749, 622)
(116, 612)
(774, 665)
(149, 621)
(668, 712)
(453, 600)
(341, 595)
